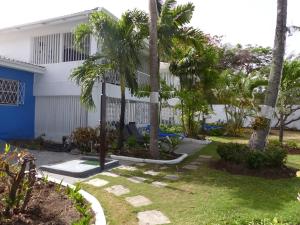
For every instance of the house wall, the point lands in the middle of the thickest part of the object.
(17, 121)
(55, 93)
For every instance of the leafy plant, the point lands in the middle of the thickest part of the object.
(80, 204)
(85, 138)
(131, 142)
(20, 184)
(233, 152)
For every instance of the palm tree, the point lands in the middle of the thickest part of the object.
(121, 44)
(259, 137)
(167, 24)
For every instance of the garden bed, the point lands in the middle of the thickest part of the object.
(47, 206)
(268, 173)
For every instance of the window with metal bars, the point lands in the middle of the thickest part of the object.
(71, 52)
(12, 92)
(46, 49)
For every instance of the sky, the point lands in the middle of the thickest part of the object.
(237, 21)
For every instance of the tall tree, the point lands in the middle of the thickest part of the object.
(259, 136)
(289, 96)
(167, 23)
(121, 43)
(154, 79)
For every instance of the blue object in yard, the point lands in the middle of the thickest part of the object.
(208, 127)
(162, 134)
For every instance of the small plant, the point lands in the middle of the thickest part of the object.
(80, 205)
(131, 142)
(233, 152)
(292, 144)
(20, 184)
(85, 138)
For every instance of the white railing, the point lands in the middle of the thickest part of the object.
(142, 78)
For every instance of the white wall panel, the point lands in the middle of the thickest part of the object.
(58, 116)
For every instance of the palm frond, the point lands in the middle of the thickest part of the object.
(183, 14)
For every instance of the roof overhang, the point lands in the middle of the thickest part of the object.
(53, 21)
(15, 64)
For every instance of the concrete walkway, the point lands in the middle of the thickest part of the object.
(189, 147)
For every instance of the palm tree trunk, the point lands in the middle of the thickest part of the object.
(154, 81)
(281, 128)
(122, 114)
(259, 137)
(103, 126)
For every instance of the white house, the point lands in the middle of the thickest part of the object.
(49, 44)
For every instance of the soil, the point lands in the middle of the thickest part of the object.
(293, 151)
(46, 207)
(38, 145)
(145, 154)
(268, 173)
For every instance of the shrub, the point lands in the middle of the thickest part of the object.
(292, 144)
(85, 138)
(131, 142)
(275, 156)
(233, 152)
(216, 132)
(19, 183)
(171, 128)
(255, 159)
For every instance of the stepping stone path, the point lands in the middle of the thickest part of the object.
(109, 174)
(159, 184)
(152, 217)
(97, 182)
(196, 163)
(163, 167)
(137, 180)
(140, 164)
(128, 168)
(205, 157)
(151, 172)
(172, 177)
(117, 190)
(138, 201)
(190, 167)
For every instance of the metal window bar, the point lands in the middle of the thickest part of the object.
(12, 92)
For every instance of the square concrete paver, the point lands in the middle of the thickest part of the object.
(138, 201)
(205, 157)
(97, 182)
(159, 184)
(196, 163)
(109, 174)
(152, 217)
(137, 180)
(172, 177)
(117, 190)
(151, 172)
(128, 168)
(163, 167)
(190, 167)
(141, 164)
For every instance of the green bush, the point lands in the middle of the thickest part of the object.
(292, 144)
(131, 142)
(255, 159)
(216, 132)
(233, 152)
(171, 128)
(273, 157)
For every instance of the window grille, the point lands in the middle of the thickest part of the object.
(71, 52)
(12, 92)
(46, 49)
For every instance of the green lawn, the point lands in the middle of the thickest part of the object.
(205, 196)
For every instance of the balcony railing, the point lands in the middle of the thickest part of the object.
(142, 78)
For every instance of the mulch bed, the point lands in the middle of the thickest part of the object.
(268, 173)
(47, 206)
(293, 151)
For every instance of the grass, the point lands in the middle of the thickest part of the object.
(205, 196)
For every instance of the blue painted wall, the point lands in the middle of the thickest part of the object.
(17, 122)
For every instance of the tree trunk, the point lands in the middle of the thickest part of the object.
(103, 127)
(122, 114)
(281, 128)
(259, 137)
(154, 81)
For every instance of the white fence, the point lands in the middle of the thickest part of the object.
(57, 116)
